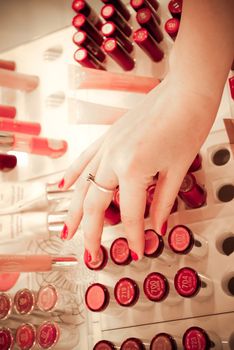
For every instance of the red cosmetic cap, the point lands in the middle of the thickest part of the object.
(48, 335)
(7, 111)
(163, 341)
(108, 28)
(195, 338)
(187, 282)
(175, 6)
(5, 306)
(153, 244)
(156, 287)
(172, 25)
(143, 15)
(136, 3)
(97, 297)
(107, 11)
(100, 263)
(110, 45)
(126, 292)
(47, 298)
(231, 86)
(196, 164)
(6, 339)
(132, 344)
(79, 20)
(139, 36)
(78, 5)
(81, 55)
(188, 183)
(104, 345)
(180, 239)
(24, 301)
(120, 252)
(7, 162)
(25, 336)
(79, 37)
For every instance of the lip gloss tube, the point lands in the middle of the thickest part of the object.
(81, 39)
(231, 86)
(172, 27)
(81, 22)
(7, 111)
(139, 4)
(146, 42)
(50, 299)
(34, 263)
(101, 260)
(7, 162)
(198, 338)
(85, 58)
(110, 13)
(109, 29)
(193, 195)
(126, 292)
(18, 81)
(118, 54)
(146, 20)
(175, 8)
(97, 297)
(104, 345)
(163, 341)
(188, 283)
(25, 336)
(183, 241)
(5, 306)
(6, 338)
(196, 164)
(32, 144)
(81, 6)
(9, 65)
(122, 8)
(20, 126)
(120, 252)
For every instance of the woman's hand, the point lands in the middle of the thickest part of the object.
(163, 134)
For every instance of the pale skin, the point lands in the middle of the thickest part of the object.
(163, 134)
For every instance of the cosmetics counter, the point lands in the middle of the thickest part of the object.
(184, 281)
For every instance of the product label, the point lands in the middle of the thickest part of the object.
(180, 239)
(187, 283)
(155, 287)
(125, 292)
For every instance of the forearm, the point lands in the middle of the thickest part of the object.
(204, 49)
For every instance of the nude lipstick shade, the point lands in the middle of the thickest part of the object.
(97, 297)
(6, 339)
(81, 6)
(110, 30)
(122, 8)
(20, 126)
(146, 42)
(7, 111)
(126, 292)
(146, 20)
(7, 162)
(32, 144)
(163, 341)
(81, 39)
(86, 59)
(34, 263)
(120, 252)
(175, 8)
(9, 65)
(110, 13)
(18, 81)
(101, 259)
(132, 343)
(48, 299)
(81, 22)
(172, 27)
(25, 336)
(118, 54)
(192, 194)
(139, 4)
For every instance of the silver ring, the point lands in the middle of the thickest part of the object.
(91, 178)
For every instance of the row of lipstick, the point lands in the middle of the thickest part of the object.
(194, 338)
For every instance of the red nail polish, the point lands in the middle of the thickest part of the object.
(61, 184)
(64, 233)
(134, 255)
(164, 228)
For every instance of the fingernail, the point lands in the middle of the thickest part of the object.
(64, 232)
(134, 255)
(61, 184)
(164, 228)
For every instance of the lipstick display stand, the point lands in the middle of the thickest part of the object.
(50, 58)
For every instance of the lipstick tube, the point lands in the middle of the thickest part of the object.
(133, 343)
(163, 340)
(101, 259)
(18, 81)
(81, 6)
(196, 164)
(86, 59)
(97, 297)
(5, 306)
(231, 86)
(110, 13)
(120, 252)
(81, 22)
(146, 20)
(196, 337)
(146, 42)
(122, 8)
(81, 39)
(126, 292)
(34, 263)
(188, 283)
(9, 65)
(183, 241)
(175, 8)
(118, 54)
(32, 144)
(193, 195)
(172, 27)
(85, 78)
(109, 29)
(156, 287)
(104, 344)
(20, 126)
(7, 111)
(7, 162)
(139, 4)
(6, 338)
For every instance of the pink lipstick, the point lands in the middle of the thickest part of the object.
(97, 297)
(146, 42)
(14, 80)
(110, 13)
(7, 111)
(118, 54)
